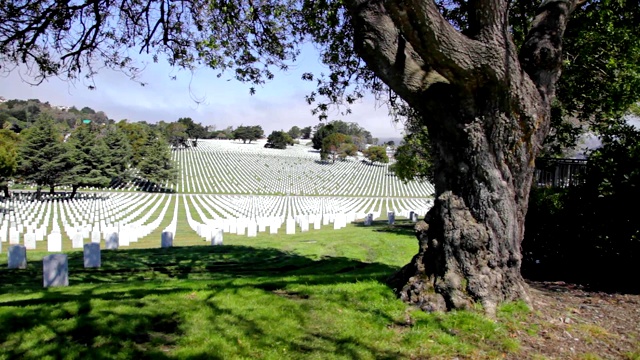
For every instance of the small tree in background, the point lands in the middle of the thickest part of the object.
(376, 154)
(306, 132)
(176, 134)
(413, 157)
(331, 144)
(279, 140)
(248, 133)
(347, 149)
(294, 132)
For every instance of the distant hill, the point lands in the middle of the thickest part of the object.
(18, 115)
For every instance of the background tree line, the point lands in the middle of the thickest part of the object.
(89, 155)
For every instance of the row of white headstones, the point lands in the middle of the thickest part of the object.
(296, 170)
(231, 167)
(55, 266)
(122, 218)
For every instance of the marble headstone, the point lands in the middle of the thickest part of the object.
(166, 240)
(216, 237)
(92, 255)
(54, 242)
(17, 257)
(112, 241)
(55, 270)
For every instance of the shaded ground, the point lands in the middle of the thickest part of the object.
(569, 322)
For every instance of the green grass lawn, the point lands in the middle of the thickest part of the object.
(314, 295)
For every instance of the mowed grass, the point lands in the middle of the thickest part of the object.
(314, 295)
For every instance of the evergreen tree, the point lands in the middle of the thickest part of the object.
(120, 154)
(8, 158)
(157, 166)
(88, 158)
(43, 157)
(138, 135)
(279, 140)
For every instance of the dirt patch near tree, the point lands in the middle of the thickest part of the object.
(569, 322)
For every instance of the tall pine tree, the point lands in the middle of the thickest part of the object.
(89, 160)
(156, 165)
(120, 154)
(43, 158)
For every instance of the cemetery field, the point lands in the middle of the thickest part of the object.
(315, 295)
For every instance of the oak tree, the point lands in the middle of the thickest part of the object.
(482, 85)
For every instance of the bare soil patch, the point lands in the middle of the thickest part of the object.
(570, 322)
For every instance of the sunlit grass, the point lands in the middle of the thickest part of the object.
(313, 295)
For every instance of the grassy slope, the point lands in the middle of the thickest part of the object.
(319, 294)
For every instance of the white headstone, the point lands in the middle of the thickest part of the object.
(413, 216)
(166, 240)
(291, 226)
(112, 241)
(304, 224)
(252, 229)
(17, 257)
(216, 237)
(95, 236)
(392, 217)
(368, 221)
(240, 227)
(55, 270)
(40, 233)
(124, 238)
(14, 236)
(30, 241)
(77, 241)
(54, 242)
(92, 255)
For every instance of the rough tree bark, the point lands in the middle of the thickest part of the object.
(487, 110)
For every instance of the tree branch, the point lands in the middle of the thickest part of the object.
(487, 19)
(541, 54)
(439, 44)
(388, 53)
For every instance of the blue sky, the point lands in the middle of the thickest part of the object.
(202, 96)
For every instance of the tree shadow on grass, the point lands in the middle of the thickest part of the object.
(133, 307)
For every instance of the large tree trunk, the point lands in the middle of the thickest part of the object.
(487, 110)
(74, 190)
(470, 240)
